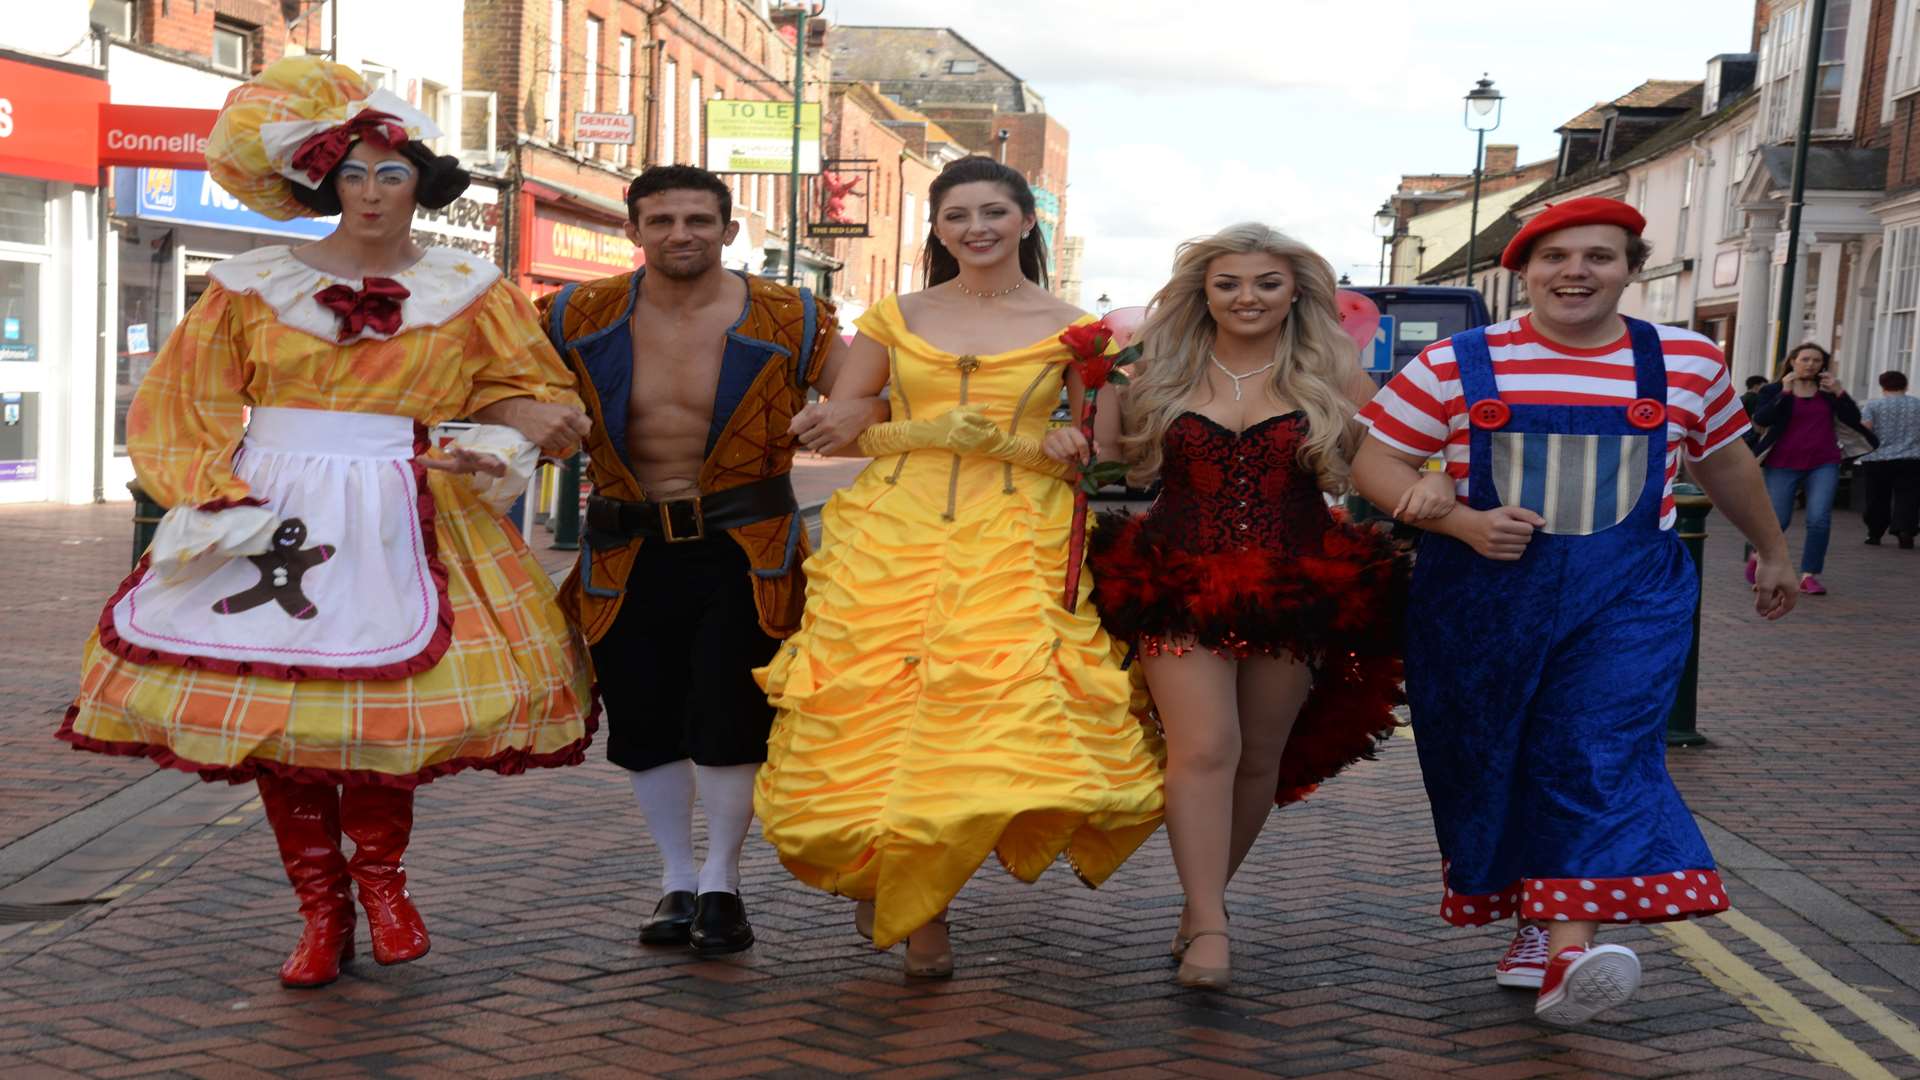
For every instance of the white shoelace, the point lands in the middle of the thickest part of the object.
(1529, 948)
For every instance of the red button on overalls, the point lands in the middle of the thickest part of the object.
(1489, 413)
(1646, 414)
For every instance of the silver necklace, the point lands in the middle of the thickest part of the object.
(1015, 287)
(1237, 378)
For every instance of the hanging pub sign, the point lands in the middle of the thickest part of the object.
(841, 201)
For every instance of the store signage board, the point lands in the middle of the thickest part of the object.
(135, 135)
(757, 136)
(601, 127)
(574, 248)
(49, 122)
(190, 197)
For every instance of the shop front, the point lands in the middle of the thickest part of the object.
(48, 270)
(173, 226)
(562, 244)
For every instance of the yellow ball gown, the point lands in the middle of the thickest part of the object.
(938, 703)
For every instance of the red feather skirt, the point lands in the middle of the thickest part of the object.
(1339, 610)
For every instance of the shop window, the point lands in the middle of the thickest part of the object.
(19, 311)
(23, 211)
(116, 15)
(232, 47)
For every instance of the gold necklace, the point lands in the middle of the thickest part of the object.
(958, 284)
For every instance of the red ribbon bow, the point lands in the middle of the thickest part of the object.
(374, 306)
(320, 153)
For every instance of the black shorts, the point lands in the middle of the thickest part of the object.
(676, 667)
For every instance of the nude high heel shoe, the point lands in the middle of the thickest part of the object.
(936, 966)
(1195, 977)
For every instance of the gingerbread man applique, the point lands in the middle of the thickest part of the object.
(281, 569)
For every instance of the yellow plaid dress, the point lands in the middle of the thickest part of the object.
(513, 689)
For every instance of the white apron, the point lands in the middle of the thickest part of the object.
(348, 589)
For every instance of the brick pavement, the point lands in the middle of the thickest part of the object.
(533, 885)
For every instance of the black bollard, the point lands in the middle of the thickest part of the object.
(146, 519)
(1692, 507)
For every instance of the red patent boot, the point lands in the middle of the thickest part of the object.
(306, 825)
(379, 819)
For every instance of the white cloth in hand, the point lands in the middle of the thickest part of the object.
(519, 454)
(186, 534)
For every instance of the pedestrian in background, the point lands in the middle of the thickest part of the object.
(1550, 617)
(1268, 630)
(1892, 472)
(1807, 416)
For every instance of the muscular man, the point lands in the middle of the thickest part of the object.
(689, 570)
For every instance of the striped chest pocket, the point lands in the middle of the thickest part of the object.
(1581, 484)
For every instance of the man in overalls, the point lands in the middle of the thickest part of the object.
(689, 570)
(1550, 613)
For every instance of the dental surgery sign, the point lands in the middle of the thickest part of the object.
(190, 197)
(757, 136)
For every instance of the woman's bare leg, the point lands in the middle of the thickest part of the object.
(1271, 691)
(1195, 694)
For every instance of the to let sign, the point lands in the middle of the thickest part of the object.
(155, 137)
(603, 127)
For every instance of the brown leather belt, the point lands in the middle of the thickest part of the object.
(678, 521)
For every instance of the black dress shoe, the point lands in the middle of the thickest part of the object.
(720, 924)
(672, 920)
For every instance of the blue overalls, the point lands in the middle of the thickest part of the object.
(1540, 688)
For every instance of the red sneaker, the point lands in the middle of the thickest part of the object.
(1525, 964)
(1753, 565)
(1581, 983)
(1810, 585)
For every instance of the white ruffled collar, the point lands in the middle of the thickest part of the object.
(440, 286)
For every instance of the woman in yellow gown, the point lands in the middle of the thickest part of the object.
(938, 703)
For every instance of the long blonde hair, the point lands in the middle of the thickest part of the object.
(1315, 355)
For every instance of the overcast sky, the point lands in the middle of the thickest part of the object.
(1189, 116)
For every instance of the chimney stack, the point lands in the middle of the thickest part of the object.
(1501, 158)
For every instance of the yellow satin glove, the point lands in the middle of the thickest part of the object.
(958, 430)
(1025, 453)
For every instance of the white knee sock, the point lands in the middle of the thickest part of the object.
(726, 794)
(665, 795)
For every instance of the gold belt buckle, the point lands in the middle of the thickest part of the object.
(671, 535)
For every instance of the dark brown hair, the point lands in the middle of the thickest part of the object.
(939, 262)
(1893, 381)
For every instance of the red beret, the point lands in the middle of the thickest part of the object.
(1591, 210)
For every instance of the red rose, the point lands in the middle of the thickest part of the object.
(1094, 371)
(1086, 340)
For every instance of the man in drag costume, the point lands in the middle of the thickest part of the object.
(689, 570)
(1549, 618)
(327, 608)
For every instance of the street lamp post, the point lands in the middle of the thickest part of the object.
(1385, 223)
(1102, 305)
(1483, 115)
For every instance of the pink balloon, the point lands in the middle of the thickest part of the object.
(1359, 317)
(1124, 322)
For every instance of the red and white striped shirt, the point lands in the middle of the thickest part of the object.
(1423, 410)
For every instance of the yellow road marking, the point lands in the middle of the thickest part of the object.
(1771, 1002)
(1897, 1029)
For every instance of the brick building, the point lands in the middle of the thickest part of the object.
(1433, 211)
(657, 62)
(989, 109)
(891, 155)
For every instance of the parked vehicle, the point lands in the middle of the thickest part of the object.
(1424, 314)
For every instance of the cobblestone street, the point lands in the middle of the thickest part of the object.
(143, 915)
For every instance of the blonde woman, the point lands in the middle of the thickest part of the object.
(1265, 625)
